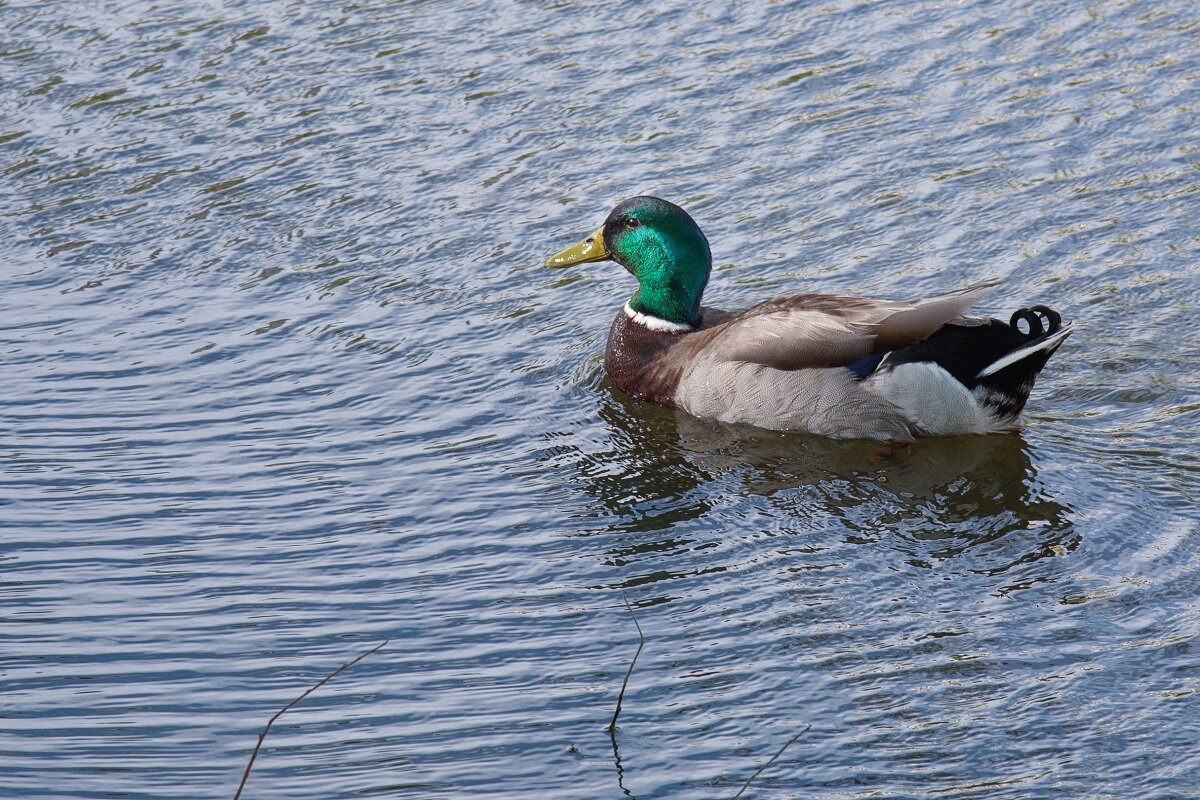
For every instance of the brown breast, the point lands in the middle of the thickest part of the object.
(648, 364)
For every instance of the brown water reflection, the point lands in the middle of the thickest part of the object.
(971, 503)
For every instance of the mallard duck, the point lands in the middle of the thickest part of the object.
(833, 365)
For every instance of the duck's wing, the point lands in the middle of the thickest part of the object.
(820, 330)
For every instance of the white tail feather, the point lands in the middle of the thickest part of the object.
(1047, 345)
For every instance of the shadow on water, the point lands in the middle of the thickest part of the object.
(667, 482)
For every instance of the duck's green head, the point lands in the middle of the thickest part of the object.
(664, 249)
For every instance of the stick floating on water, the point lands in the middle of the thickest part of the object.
(279, 713)
(612, 726)
(786, 745)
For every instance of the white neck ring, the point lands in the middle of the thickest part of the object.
(656, 323)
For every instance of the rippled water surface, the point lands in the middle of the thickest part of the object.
(282, 378)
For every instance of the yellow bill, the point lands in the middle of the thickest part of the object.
(590, 249)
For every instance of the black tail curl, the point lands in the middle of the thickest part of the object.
(1001, 360)
(1032, 317)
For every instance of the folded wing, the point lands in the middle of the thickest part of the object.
(806, 331)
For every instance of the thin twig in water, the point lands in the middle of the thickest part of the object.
(279, 713)
(772, 761)
(612, 726)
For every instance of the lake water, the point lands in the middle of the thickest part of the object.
(282, 378)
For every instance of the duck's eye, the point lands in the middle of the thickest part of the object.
(632, 222)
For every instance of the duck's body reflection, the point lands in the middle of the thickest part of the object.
(972, 503)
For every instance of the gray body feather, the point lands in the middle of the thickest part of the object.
(825, 401)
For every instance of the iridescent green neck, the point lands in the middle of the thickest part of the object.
(670, 290)
(666, 251)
